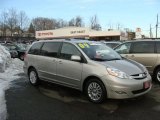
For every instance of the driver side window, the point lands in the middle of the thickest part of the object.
(124, 48)
(68, 50)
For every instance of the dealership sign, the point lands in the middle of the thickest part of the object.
(63, 33)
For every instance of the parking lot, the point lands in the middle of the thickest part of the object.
(52, 102)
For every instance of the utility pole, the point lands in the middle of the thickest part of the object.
(151, 35)
(157, 26)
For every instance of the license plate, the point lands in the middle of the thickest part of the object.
(146, 85)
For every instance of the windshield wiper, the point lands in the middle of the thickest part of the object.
(114, 59)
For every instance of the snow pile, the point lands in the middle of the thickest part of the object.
(6, 77)
(5, 58)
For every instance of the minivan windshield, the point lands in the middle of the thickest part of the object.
(99, 52)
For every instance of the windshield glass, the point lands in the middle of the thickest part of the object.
(99, 52)
(22, 46)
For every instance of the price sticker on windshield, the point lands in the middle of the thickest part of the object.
(83, 45)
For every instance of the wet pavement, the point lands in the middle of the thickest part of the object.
(53, 102)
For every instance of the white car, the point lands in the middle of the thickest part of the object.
(5, 58)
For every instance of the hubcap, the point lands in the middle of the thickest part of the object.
(33, 77)
(94, 91)
(158, 76)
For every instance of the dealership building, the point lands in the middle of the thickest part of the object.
(81, 33)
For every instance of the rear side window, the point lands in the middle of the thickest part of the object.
(35, 49)
(143, 47)
(50, 49)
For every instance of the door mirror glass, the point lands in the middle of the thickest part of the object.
(76, 58)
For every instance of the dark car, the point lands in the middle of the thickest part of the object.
(19, 48)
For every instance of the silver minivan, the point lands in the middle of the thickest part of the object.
(88, 66)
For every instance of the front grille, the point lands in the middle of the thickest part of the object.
(139, 76)
(140, 91)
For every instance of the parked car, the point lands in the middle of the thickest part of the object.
(16, 50)
(146, 52)
(13, 53)
(88, 66)
(112, 44)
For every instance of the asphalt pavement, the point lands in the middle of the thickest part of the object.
(53, 102)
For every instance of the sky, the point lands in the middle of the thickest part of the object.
(127, 13)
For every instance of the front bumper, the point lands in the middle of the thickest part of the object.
(127, 88)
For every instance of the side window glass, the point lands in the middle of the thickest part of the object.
(124, 48)
(50, 49)
(143, 47)
(35, 49)
(68, 50)
(158, 47)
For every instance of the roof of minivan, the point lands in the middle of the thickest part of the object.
(67, 40)
(142, 40)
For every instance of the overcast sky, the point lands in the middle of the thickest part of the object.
(128, 13)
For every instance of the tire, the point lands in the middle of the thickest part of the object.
(33, 77)
(157, 75)
(95, 91)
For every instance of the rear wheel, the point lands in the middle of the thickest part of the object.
(157, 75)
(33, 77)
(95, 90)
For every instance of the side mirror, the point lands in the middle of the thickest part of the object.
(76, 58)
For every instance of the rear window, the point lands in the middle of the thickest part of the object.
(35, 48)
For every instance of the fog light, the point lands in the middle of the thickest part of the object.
(120, 92)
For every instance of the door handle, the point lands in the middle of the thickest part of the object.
(126, 55)
(54, 60)
(60, 62)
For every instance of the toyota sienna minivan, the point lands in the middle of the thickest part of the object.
(88, 66)
(146, 52)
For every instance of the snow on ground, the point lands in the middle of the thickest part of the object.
(10, 74)
(5, 58)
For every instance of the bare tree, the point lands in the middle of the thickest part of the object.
(41, 23)
(12, 20)
(61, 23)
(78, 22)
(94, 23)
(23, 22)
(71, 22)
(3, 22)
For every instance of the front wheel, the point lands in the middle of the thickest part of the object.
(33, 77)
(95, 91)
(157, 75)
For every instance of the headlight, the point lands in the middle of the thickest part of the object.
(117, 73)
